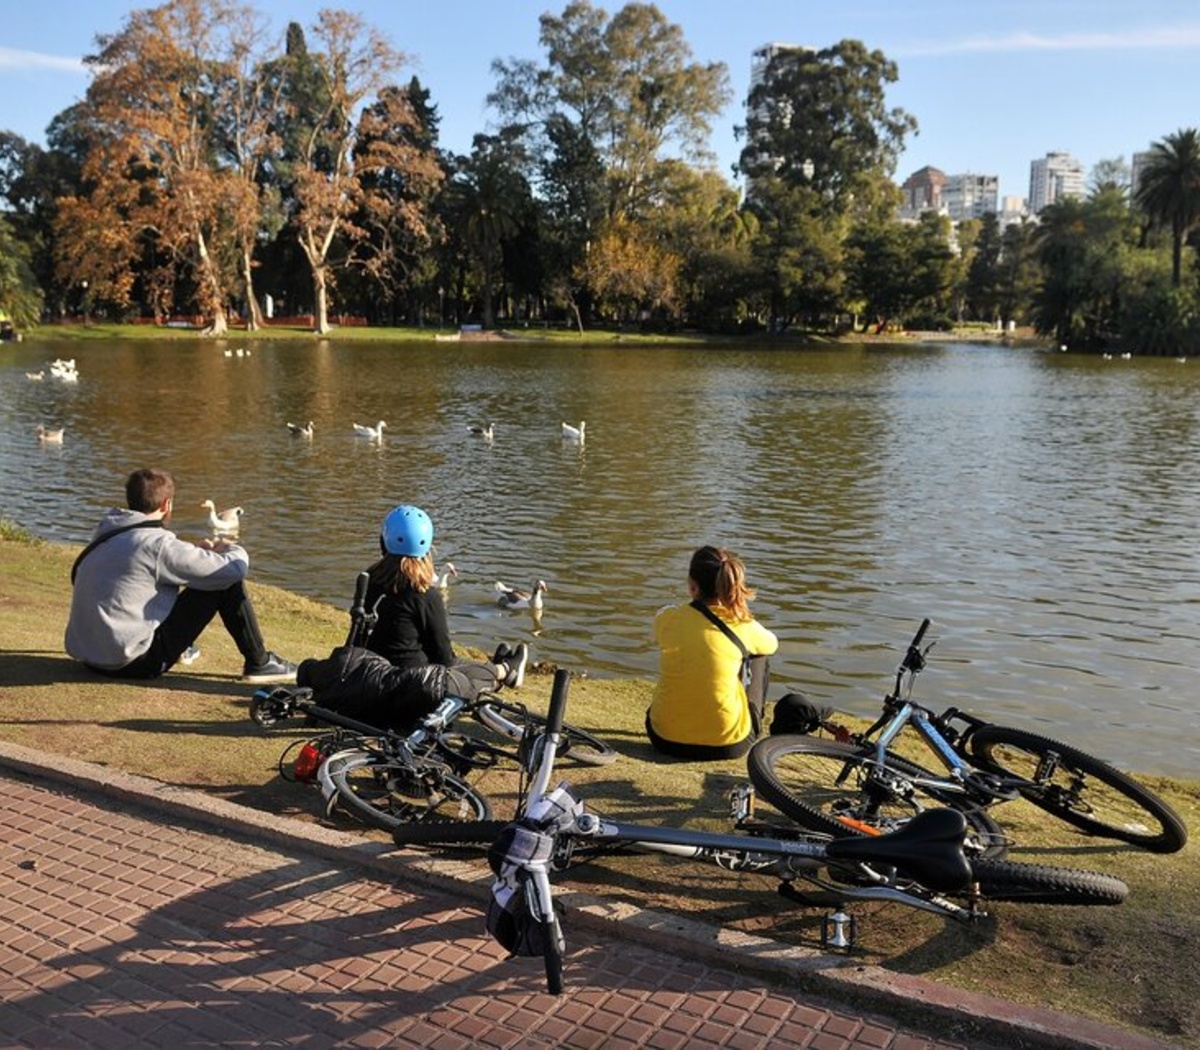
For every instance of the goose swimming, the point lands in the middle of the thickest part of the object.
(442, 582)
(374, 433)
(512, 598)
(227, 521)
(487, 433)
(304, 430)
(49, 437)
(575, 434)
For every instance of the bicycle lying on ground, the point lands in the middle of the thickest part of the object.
(854, 785)
(922, 865)
(388, 778)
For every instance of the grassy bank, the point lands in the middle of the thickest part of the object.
(558, 335)
(1129, 966)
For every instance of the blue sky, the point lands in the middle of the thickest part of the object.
(993, 85)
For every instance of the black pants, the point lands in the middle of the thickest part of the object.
(193, 611)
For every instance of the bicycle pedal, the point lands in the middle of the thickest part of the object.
(838, 931)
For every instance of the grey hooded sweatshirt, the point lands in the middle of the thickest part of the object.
(127, 586)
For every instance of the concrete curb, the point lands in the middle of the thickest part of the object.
(918, 1001)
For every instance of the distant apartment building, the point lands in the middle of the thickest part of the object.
(970, 196)
(760, 61)
(922, 192)
(1013, 211)
(960, 197)
(1054, 177)
(1136, 167)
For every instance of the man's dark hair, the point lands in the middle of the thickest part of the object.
(146, 490)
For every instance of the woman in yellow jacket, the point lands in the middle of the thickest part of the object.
(700, 709)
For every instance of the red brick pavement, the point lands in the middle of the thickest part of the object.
(122, 927)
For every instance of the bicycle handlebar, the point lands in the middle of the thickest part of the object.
(358, 607)
(914, 659)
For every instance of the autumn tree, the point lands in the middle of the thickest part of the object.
(152, 163)
(400, 172)
(245, 98)
(323, 90)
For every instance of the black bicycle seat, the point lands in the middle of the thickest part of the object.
(929, 848)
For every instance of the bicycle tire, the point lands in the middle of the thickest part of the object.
(509, 720)
(1126, 811)
(823, 785)
(387, 793)
(448, 832)
(1003, 880)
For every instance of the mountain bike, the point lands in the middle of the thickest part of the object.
(388, 778)
(922, 864)
(855, 785)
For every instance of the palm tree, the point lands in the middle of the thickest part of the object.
(1169, 190)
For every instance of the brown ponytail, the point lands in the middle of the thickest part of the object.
(720, 577)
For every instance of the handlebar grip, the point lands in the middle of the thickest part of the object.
(558, 700)
(921, 632)
(357, 607)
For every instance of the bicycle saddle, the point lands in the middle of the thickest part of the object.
(929, 848)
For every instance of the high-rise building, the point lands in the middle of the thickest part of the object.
(970, 196)
(922, 192)
(1136, 168)
(760, 61)
(1053, 177)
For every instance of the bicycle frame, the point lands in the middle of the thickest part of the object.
(551, 824)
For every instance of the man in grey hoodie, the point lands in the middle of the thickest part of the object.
(142, 596)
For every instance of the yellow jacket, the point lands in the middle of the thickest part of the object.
(699, 697)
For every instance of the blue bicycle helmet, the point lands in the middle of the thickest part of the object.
(407, 531)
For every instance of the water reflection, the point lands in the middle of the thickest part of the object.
(1038, 506)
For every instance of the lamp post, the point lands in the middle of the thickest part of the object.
(84, 285)
(441, 307)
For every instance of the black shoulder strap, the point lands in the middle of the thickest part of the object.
(726, 630)
(155, 523)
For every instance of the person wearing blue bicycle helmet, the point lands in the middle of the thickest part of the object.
(412, 629)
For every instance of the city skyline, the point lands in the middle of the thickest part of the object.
(992, 92)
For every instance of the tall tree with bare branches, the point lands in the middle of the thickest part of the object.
(324, 88)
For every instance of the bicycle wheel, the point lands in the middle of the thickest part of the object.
(387, 793)
(448, 832)
(1083, 791)
(1002, 880)
(841, 790)
(509, 720)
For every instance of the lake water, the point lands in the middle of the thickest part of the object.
(1040, 507)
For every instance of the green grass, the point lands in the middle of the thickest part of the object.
(1130, 966)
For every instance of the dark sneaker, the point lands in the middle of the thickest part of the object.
(515, 663)
(274, 669)
(502, 653)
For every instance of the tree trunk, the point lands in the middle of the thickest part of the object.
(321, 297)
(210, 280)
(254, 317)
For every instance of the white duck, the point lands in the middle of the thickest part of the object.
(442, 581)
(487, 433)
(36, 377)
(48, 436)
(575, 434)
(227, 521)
(374, 433)
(511, 598)
(304, 430)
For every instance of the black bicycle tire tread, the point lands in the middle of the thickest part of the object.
(592, 752)
(448, 832)
(1005, 880)
(767, 784)
(377, 817)
(1171, 839)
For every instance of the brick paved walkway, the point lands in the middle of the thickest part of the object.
(124, 928)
